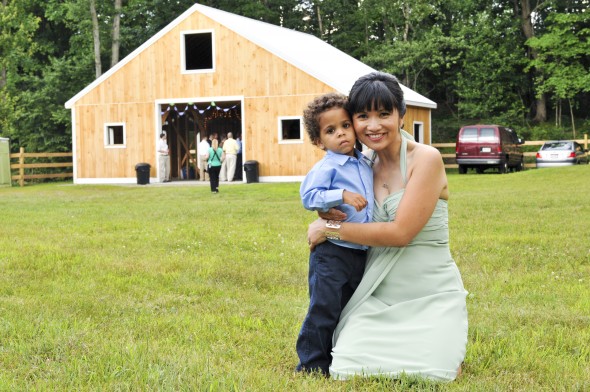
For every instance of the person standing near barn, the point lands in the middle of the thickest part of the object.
(163, 159)
(214, 165)
(203, 151)
(230, 148)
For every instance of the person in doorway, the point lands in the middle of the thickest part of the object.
(342, 179)
(212, 137)
(203, 150)
(214, 165)
(230, 148)
(239, 168)
(408, 315)
(163, 159)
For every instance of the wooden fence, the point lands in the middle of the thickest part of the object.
(21, 166)
(450, 157)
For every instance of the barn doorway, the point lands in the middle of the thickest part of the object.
(185, 123)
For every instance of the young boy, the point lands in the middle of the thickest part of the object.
(342, 179)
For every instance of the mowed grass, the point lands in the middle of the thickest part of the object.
(173, 288)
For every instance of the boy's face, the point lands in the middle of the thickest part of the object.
(336, 132)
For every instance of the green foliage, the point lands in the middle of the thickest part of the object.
(563, 55)
(487, 84)
(173, 288)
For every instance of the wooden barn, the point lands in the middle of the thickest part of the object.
(210, 71)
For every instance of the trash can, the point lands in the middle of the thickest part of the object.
(5, 175)
(143, 173)
(251, 169)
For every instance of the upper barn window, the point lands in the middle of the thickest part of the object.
(197, 51)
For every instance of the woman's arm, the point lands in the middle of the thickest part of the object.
(427, 180)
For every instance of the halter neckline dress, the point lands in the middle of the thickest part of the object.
(408, 314)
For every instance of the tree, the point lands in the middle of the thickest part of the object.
(95, 39)
(524, 12)
(116, 42)
(491, 79)
(563, 57)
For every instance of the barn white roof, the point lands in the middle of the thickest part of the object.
(304, 51)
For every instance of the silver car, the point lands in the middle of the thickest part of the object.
(561, 153)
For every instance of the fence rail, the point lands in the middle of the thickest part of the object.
(21, 166)
(447, 157)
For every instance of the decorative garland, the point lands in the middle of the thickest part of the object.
(212, 111)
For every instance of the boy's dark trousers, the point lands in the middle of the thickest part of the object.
(334, 273)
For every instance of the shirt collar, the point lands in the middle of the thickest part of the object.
(341, 159)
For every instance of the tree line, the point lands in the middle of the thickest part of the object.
(521, 63)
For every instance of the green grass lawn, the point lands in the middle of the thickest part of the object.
(173, 288)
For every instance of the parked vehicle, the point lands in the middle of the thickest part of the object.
(481, 147)
(561, 153)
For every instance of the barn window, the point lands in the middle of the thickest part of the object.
(197, 51)
(114, 135)
(290, 130)
(419, 132)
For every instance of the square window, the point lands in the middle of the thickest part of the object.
(290, 129)
(114, 135)
(197, 51)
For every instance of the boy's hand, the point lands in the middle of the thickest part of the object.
(354, 199)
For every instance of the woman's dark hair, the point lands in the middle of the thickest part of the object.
(318, 106)
(376, 90)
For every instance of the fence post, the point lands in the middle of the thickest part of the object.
(585, 141)
(21, 169)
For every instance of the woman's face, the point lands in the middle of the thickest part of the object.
(377, 129)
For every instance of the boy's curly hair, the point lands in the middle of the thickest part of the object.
(318, 106)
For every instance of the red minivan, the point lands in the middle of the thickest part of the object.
(481, 147)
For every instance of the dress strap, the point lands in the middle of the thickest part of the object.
(373, 159)
(402, 159)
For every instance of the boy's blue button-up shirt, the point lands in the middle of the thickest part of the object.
(323, 186)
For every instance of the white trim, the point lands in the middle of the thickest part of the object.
(154, 181)
(430, 128)
(280, 130)
(199, 100)
(221, 98)
(74, 146)
(106, 181)
(108, 137)
(421, 124)
(182, 45)
(281, 179)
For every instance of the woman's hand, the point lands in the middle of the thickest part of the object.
(332, 214)
(316, 233)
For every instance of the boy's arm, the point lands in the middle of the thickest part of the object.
(316, 194)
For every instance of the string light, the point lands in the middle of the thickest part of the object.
(211, 112)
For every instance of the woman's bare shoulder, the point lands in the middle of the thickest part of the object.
(423, 150)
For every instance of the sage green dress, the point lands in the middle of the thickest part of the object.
(409, 314)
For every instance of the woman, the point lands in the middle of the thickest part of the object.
(408, 314)
(214, 156)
